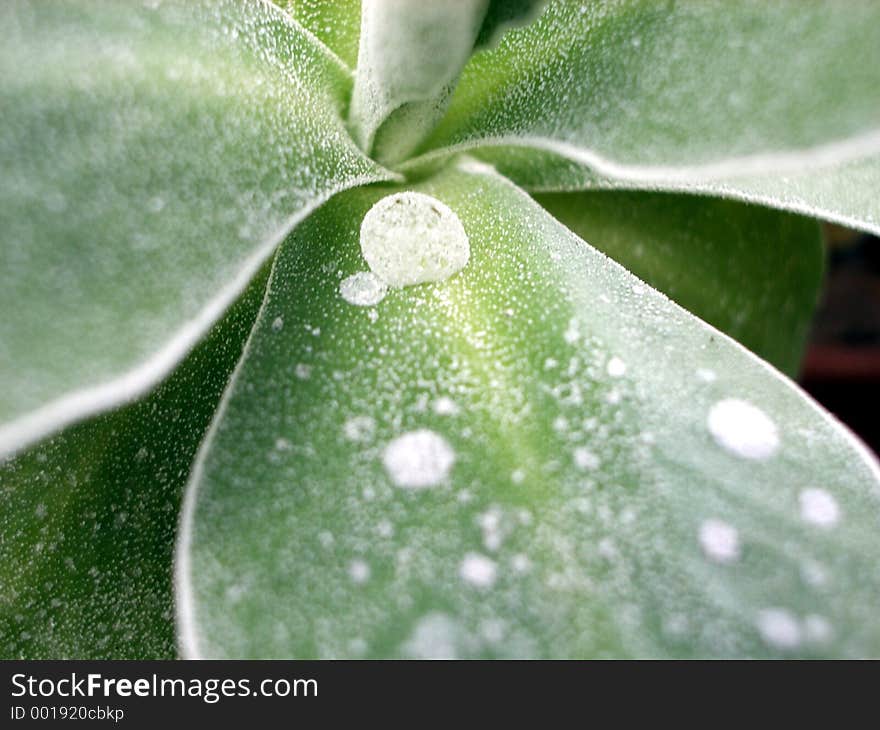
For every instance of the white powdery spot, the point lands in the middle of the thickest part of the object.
(359, 571)
(433, 638)
(410, 238)
(445, 406)
(819, 508)
(418, 459)
(363, 289)
(585, 459)
(478, 570)
(743, 429)
(490, 524)
(779, 628)
(616, 367)
(303, 371)
(720, 541)
(277, 324)
(359, 428)
(707, 376)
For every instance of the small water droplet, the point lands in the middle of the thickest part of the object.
(819, 508)
(363, 289)
(410, 238)
(418, 459)
(445, 406)
(616, 367)
(359, 428)
(720, 541)
(478, 570)
(585, 459)
(743, 429)
(359, 571)
(779, 628)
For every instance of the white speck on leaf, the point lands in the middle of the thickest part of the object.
(418, 459)
(478, 570)
(363, 289)
(359, 428)
(616, 367)
(819, 508)
(719, 540)
(779, 628)
(743, 429)
(585, 459)
(359, 571)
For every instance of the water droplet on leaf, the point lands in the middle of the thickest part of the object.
(410, 238)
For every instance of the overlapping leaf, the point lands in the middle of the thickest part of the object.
(753, 273)
(153, 156)
(609, 476)
(772, 102)
(89, 517)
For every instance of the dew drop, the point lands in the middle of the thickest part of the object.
(445, 406)
(779, 628)
(819, 508)
(363, 289)
(418, 459)
(706, 375)
(410, 238)
(434, 637)
(359, 571)
(720, 541)
(585, 459)
(743, 429)
(616, 367)
(359, 428)
(478, 570)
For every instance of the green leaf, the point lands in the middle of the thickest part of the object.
(90, 516)
(585, 469)
(771, 102)
(154, 154)
(337, 24)
(753, 273)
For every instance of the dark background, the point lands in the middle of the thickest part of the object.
(842, 365)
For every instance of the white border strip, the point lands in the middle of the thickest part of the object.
(80, 404)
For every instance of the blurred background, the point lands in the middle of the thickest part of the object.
(842, 365)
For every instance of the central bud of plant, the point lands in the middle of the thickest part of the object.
(410, 56)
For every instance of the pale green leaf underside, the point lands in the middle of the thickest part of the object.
(89, 516)
(575, 399)
(153, 155)
(752, 272)
(773, 102)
